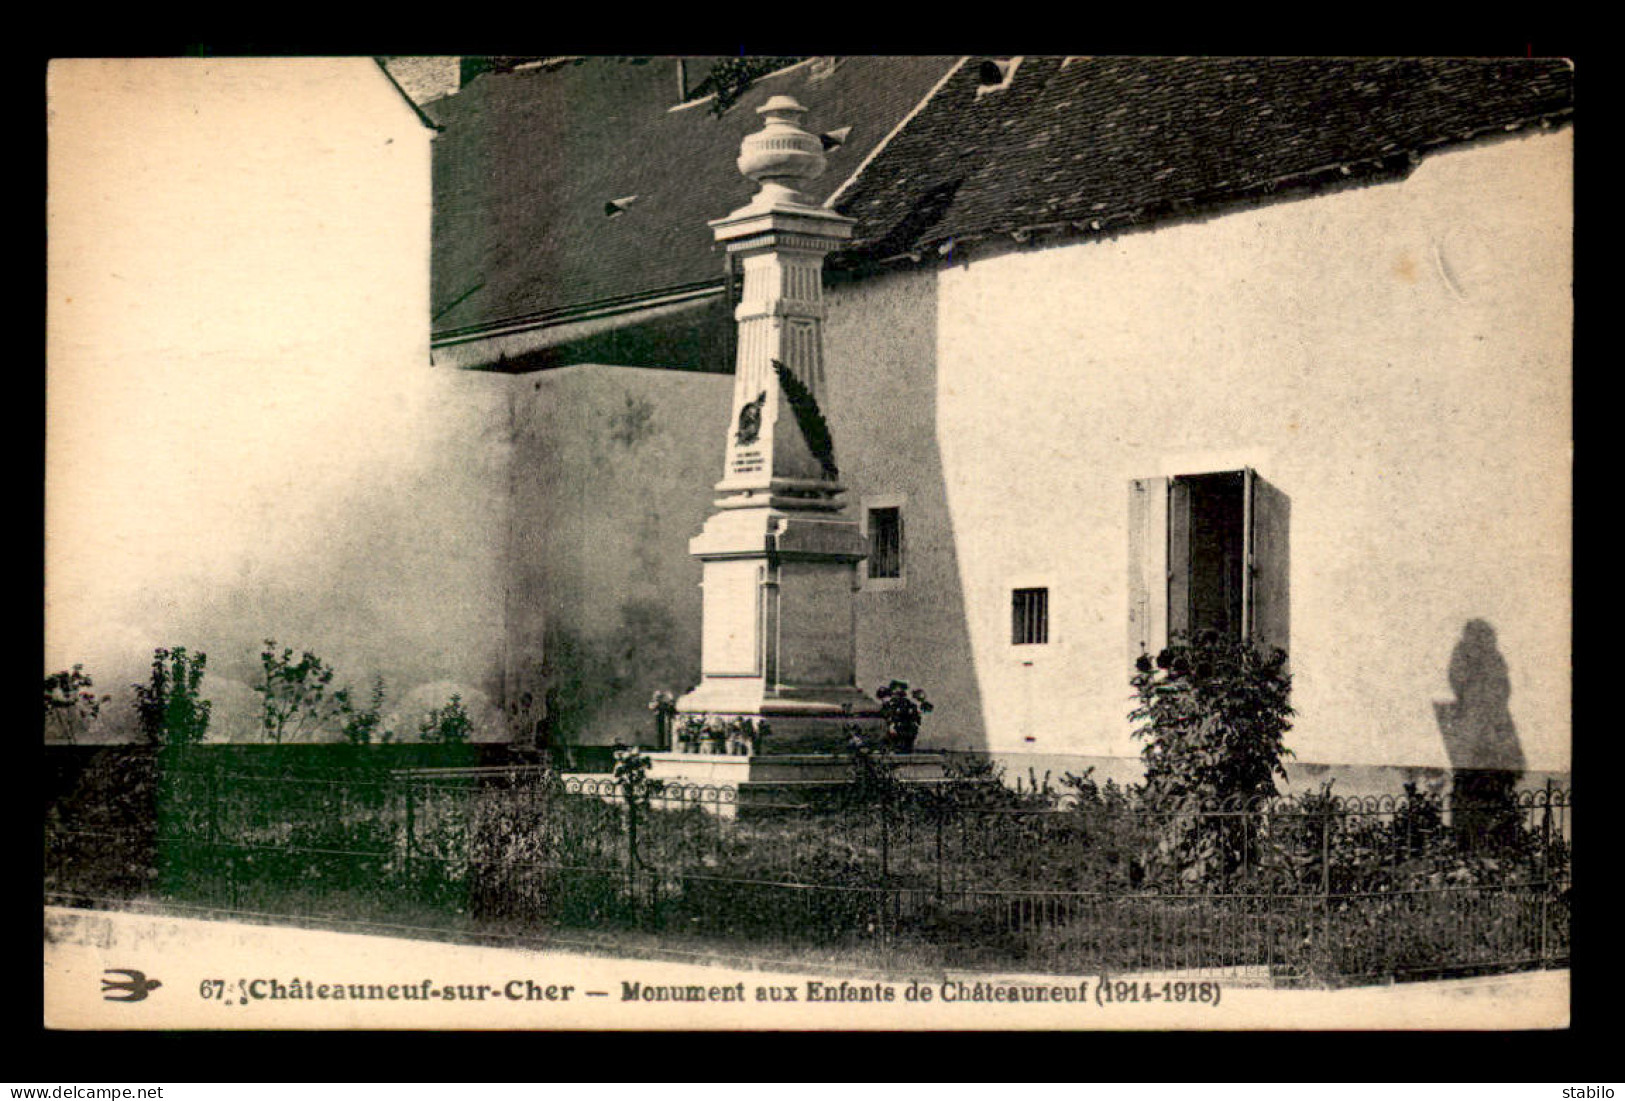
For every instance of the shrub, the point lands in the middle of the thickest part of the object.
(448, 725)
(169, 707)
(101, 836)
(903, 710)
(874, 775)
(294, 694)
(632, 777)
(977, 782)
(1213, 713)
(363, 725)
(1089, 795)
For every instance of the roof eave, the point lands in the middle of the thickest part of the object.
(410, 102)
(489, 345)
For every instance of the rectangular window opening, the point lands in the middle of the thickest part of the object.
(1029, 617)
(885, 543)
(1214, 557)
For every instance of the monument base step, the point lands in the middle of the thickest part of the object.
(703, 768)
(763, 785)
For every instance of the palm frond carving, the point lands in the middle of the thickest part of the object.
(810, 419)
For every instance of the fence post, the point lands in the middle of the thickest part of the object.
(1546, 832)
(211, 834)
(1545, 868)
(411, 827)
(885, 843)
(884, 810)
(1326, 854)
(214, 806)
(1326, 882)
(940, 815)
(231, 860)
(631, 844)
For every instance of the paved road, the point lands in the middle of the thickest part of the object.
(221, 975)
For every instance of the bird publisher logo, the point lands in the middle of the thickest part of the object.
(134, 987)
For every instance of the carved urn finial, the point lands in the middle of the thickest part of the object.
(781, 154)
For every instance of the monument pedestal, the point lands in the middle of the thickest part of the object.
(777, 638)
(768, 783)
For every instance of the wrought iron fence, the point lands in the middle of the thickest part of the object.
(1312, 889)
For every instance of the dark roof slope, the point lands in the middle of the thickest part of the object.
(528, 159)
(1087, 144)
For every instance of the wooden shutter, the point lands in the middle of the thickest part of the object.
(1179, 558)
(1269, 560)
(1147, 566)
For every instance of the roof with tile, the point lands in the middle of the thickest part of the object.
(529, 159)
(1081, 145)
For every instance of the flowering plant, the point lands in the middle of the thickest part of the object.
(903, 709)
(745, 735)
(690, 730)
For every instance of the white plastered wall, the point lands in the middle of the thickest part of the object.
(1395, 358)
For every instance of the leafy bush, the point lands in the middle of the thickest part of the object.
(874, 774)
(1333, 888)
(632, 777)
(101, 836)
(903, 710)
(976, 782)
(169, 707)
(1213, 713)
(363, 725)
(294, 695)
(448, 725)
(1091, 797)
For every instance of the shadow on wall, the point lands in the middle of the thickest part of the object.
(883, 374)
(613, 474)
(1480, 738)
(598, 688)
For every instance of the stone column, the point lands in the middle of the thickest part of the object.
(780, 556)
